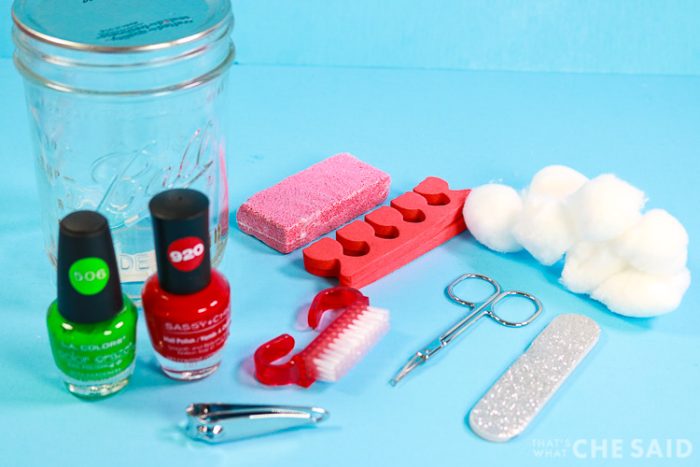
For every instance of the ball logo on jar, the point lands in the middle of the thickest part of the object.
(186, 254)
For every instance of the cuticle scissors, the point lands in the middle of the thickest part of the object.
(485, 308)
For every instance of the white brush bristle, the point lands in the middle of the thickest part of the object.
(352, 344)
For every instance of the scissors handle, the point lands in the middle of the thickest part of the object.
(487, 307)
(456, 298)
(493, 314)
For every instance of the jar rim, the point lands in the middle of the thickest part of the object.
(219, 70)
(226, 21)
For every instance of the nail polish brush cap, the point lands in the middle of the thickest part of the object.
(88, 279)
(181, 231)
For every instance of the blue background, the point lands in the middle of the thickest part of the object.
(469, 127)
(621, 36)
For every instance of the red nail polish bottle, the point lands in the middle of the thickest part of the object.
(187, 303)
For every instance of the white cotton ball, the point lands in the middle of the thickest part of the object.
(605, 207)
(490, 212)
(556, 181)
(657, 244)
(589, 264)
(543, 228)
(639, 294)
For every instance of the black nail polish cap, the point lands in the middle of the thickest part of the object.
(181, 232)
(88, 279)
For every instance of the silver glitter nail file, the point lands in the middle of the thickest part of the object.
(518, 396)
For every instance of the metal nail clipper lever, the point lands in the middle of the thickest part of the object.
(215, 423)
(485, 308)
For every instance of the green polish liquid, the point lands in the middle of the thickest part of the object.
(96, 359)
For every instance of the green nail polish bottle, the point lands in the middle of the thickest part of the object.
(92, 325)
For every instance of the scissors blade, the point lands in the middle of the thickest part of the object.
(418, 359)
(414, 362)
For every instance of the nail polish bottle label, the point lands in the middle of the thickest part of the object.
(89, 276)
(189, 341)
(186, 254)
(93, 352)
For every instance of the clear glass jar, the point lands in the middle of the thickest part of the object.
(126, 98)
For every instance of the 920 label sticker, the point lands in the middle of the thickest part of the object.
(186, 254)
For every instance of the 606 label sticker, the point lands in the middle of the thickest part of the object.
(89, 276)
(186, 254)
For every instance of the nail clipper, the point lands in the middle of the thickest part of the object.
(215, 422)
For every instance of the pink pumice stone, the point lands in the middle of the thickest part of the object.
(308, 204)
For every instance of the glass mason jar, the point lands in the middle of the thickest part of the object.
(126, 98)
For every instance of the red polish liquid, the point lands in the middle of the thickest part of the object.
(188, 331)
